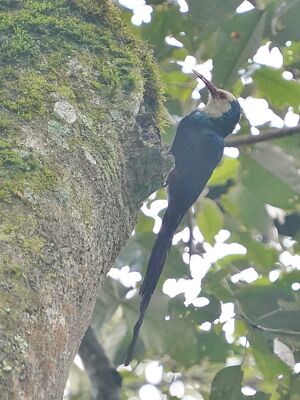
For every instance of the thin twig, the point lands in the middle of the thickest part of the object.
(242, 316)
(242, 140)
(269, 314)
(265, 328)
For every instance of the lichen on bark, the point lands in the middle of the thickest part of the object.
(80, 108)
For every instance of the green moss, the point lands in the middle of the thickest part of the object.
(154, 90)
(52, 49)
(58, 47)
(17, 294)
(8, 228)
(66, 91)
(15, 270)
(4, 122)
(85, 209)
(59, 29)
(28, 97)
(18, 231)
(21, 231)
(96, 85)
(12, 163)
(39, 27)
(34, 243)
(121, 75)
(20, 171)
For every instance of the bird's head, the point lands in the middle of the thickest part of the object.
(221, 105)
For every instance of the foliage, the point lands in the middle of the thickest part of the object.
(246, 255)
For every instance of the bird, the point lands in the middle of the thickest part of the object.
(197, 147)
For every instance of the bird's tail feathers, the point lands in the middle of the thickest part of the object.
(170, 222)
(160, 250)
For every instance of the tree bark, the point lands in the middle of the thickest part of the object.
(79, 149)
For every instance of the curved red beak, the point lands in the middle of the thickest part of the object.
(210, 86)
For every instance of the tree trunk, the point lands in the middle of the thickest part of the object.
(79, 150)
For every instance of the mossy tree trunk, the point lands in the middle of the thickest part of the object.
(79, 150)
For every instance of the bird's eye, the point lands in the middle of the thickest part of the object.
(221, 95)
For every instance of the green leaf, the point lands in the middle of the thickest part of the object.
(185, 352)
(107, 302)
(291, 145)
(158, 336)
(265, 173)
(174, 267)
(212, 346)
(291, 55)
(260, 299)
(258, 396)
(155, 2)
(177, 307)
(286, 325)
(269, 364)
(131, 254)
(227, 384)
(284, 22)
(112, 339)
(208, 15)
(151, 334)
(238, 261)
(284, 320)
(166, 21)
(279, 163)
(294, 389)
(287, 279)
(145, 241)
(194, 316)
(144, 224)
(262, 255)
(208, 313)
(179, 85)
(209, 219)
(279, 92)
(237, 40)
(213, 283)
(228, 169)
(250, 209)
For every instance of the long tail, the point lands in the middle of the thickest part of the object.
(170, 222)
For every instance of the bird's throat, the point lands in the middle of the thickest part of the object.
(215, 108)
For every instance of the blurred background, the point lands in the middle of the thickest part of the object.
(224, 322)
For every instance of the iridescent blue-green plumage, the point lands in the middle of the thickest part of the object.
(198, 148)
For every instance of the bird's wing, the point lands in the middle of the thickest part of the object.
(184, 131)
(196, 145)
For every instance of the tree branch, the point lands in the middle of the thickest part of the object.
(242, 140)
(105, 380)
(265, 328)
